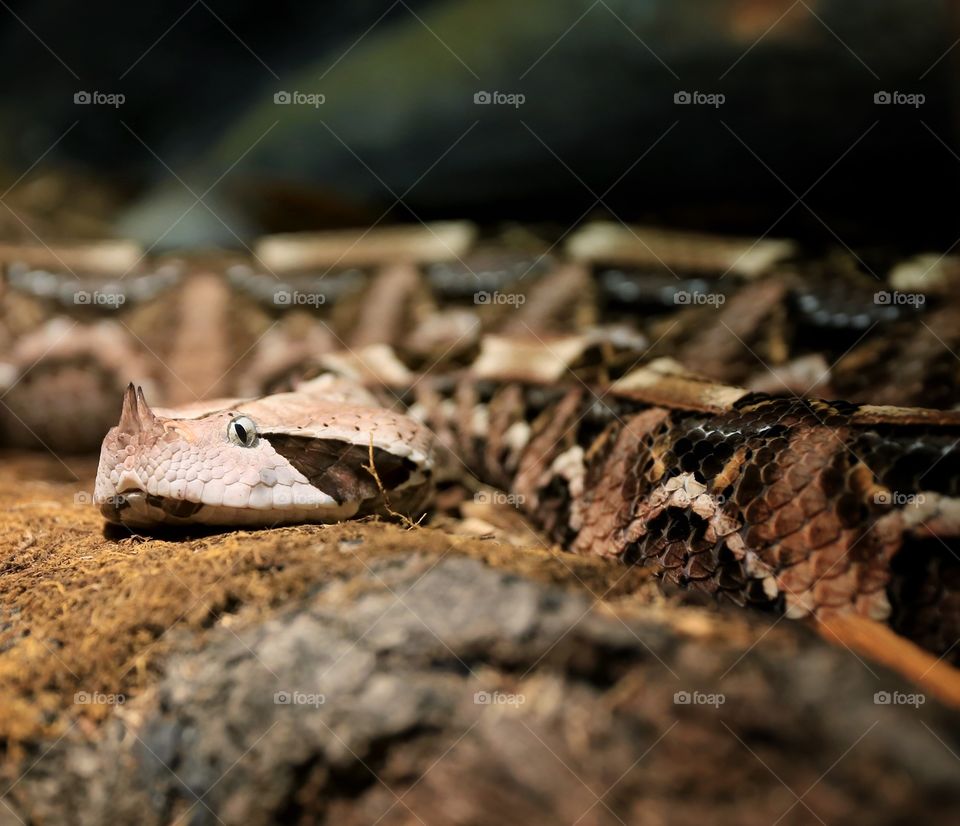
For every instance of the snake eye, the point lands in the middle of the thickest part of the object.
(242, 431)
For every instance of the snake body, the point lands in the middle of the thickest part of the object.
(803, 506)
(544, 375)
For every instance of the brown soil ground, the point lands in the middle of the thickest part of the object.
(84, 610)
(179, 625)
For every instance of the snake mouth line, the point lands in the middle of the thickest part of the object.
(113, 508)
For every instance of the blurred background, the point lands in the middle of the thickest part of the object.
(206, 123)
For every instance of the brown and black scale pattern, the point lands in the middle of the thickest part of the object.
(794, 505)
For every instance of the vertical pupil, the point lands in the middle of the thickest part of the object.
(240, 431)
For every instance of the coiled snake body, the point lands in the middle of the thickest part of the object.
(789, 502)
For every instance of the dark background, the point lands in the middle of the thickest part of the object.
(399, 132)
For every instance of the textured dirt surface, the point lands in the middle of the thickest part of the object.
(86, 610)
(371, 673)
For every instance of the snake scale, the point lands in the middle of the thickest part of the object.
(644, 395)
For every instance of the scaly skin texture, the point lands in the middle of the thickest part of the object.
(800, 505)
(803, 505)
(816, 330)
(309, 461)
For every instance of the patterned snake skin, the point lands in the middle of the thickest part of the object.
(643, 395)
(803, 506)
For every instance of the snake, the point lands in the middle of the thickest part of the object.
(625, 422)
(805, 506)
(324, 453)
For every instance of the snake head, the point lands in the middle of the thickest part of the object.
(215, 468)
(294, 457)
